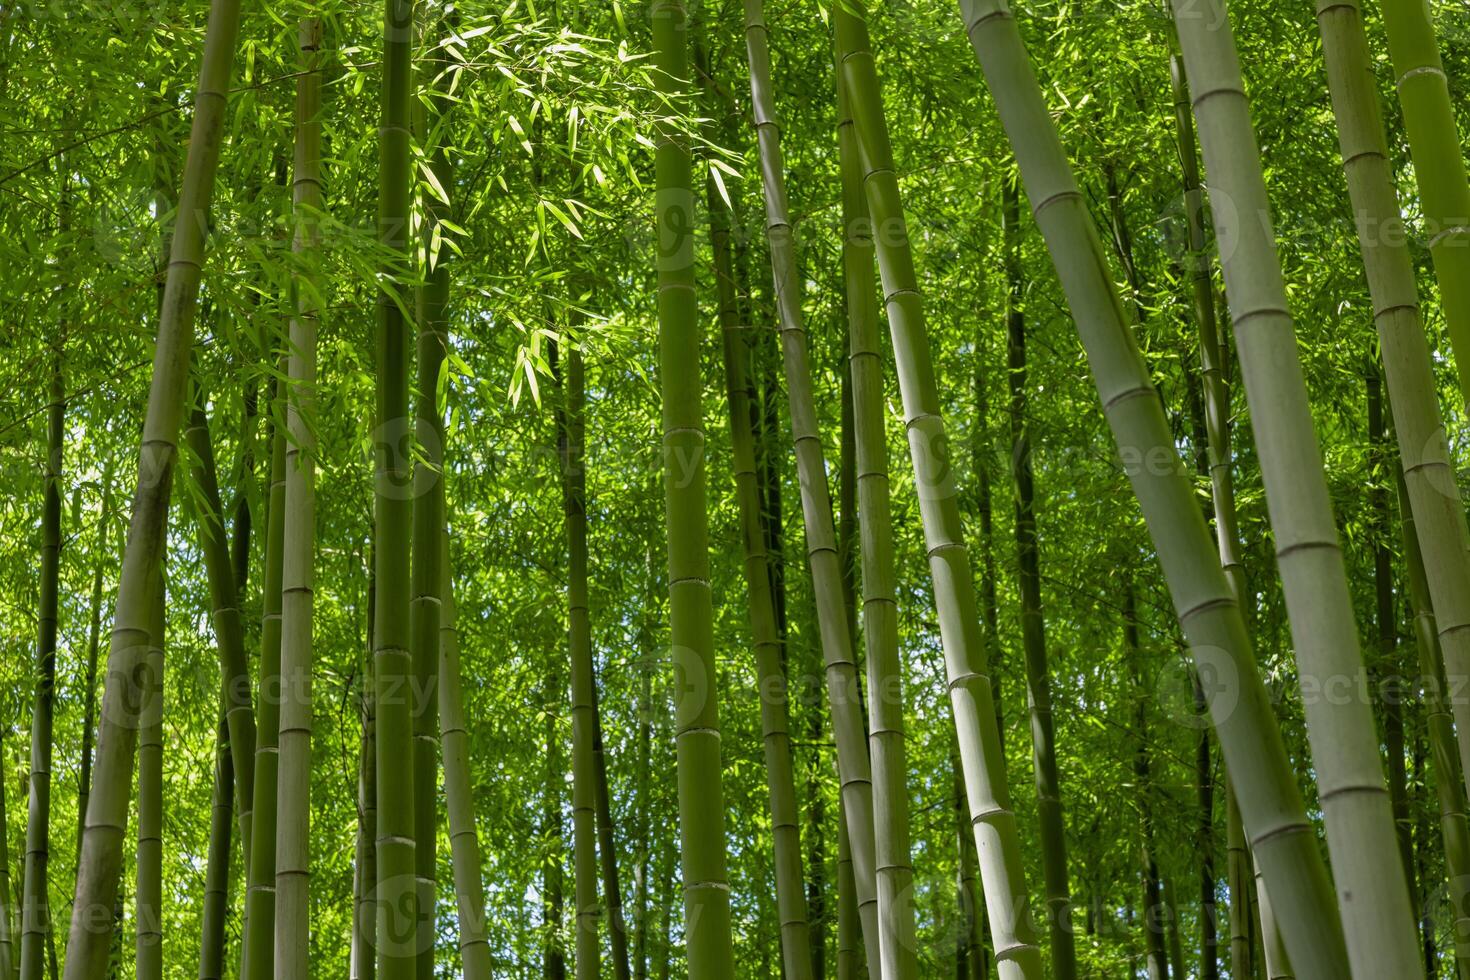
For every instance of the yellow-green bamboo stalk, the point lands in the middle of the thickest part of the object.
(148, 900)
(696, 698)
(1205, 603)
(36, 901)
(97, 881)
(1449, 780)
(293, 790)
(888, 913)
(257, 946)
(765, 636)
(1423, 447)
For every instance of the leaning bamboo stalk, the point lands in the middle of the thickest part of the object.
(1439, 167)
(1449, 780)
(882, 905)
(1373, 895)
(224, 613)
(35, 902)
(766, 639)
(464, 843)
(971, 697)
(148, 900)
(1423, 447)
(293, 789)
(1275, 817)
(97, 881)
(696, 700)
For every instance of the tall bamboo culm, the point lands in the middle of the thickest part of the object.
(1439, 167)
(1215, 396)
(97, 881)
(397, 886)
(1053, 834)
(1275, 817)
(1428, 470)
(839, 658)
(148, 889)
(696, 703)
(293, 791)
(216, 908)
(1449, 779)
(459, 800)
(36, 900)
(571, 445)
(257, 946)
(224, 611)
(1372, 892)
(428, 493)
(765, 637)
(971, 697)
(894, 868)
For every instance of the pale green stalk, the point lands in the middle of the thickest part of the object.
(971, 698)
(298, 555)
(459, 799)
(1275, 818)
(1372, 892)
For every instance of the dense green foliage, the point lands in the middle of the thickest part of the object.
(542, 212)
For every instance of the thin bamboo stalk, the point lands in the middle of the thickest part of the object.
(1449, 780)
(1423, 448)
(298, 553)
(971, 698)
(36, 901)
(883, 906)
(94, 634)
(257, 946)
(216, 908)
(148, 902)
(1439, 167)
(459, 799)
(765, 637)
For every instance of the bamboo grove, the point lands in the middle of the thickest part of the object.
(725, 489)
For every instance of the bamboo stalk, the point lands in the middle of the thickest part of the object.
(298, 552)
(97, 881)
(765, 638)
(1207, 609)
(971, 698)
